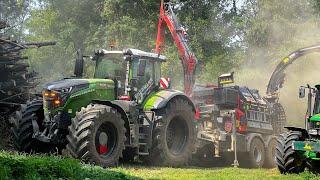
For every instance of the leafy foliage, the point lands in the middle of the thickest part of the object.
(14, 166)
(226, 35)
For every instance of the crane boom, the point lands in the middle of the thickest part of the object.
(178, 33)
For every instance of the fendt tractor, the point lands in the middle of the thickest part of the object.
(125, 111)
(299, 148)
(259, 119)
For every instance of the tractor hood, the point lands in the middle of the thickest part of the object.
(67, 84)
(315, 118)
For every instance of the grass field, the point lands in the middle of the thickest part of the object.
(14, 166)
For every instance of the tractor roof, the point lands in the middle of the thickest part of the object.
(135, 52)
(139, 53)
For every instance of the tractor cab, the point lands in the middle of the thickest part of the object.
(312, 123)
(143, 73)
(315, 119)
(135, 73)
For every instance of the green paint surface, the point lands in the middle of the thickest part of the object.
(99, 89)
(155, 98)
(310, 148)
(315, 118)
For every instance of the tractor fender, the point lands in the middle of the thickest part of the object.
(161, 98)
(302, 130)
(122, 106)
(250, 137)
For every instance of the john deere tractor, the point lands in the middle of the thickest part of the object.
(299, 148)
(122, 112)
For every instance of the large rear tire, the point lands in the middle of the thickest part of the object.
(173, 135)
(22, 128)
(97, 135)
(288, 160)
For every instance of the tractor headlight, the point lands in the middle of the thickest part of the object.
(52, 99)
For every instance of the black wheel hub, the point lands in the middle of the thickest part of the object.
(177, 135)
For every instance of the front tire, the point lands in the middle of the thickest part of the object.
(288, 160)
(97, 135)
(22, 128)
(174, 135)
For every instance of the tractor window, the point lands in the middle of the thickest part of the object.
(148, 73)
(111, 67)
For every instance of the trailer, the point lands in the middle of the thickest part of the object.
(256, 119)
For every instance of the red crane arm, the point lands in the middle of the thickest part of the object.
(178, 33)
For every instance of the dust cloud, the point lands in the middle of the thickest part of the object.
(286, 34)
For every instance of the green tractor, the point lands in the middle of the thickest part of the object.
(123, 112)
(299, 148)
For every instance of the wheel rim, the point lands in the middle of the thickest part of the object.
(257, 154)
(177, 135)
(106, 139)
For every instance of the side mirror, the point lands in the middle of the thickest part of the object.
(78, 68)
(302, 92)
(142, 67)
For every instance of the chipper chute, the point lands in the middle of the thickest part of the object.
(277, 78)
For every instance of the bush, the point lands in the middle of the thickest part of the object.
(21, 166)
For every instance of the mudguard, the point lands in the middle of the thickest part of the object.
(303, 131)
(160, 99)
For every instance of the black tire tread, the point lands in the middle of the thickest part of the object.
(286, 157)
(80, 130)
(157, 155)
(22, 129)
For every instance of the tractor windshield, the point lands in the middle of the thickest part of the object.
(111, 66)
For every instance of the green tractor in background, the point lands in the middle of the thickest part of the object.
(299, 148)
(123, 112)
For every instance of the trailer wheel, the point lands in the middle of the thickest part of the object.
(22, 128)
(173, 135)
(288, 160)
(97, 135)
(270, 161)
(256, 153)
